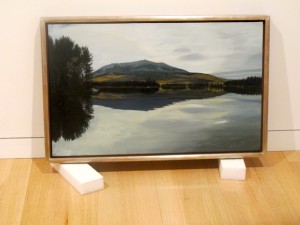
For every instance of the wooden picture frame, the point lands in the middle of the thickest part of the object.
(155, 88)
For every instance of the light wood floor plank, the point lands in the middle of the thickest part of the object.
(14, 176)
(160, 193)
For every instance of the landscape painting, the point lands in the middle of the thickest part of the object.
(151, 88)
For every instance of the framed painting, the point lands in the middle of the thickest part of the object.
(155, 88)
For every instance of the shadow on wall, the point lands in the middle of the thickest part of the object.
(37, 146)
(280, 121)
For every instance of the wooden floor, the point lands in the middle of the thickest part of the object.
(184, 192)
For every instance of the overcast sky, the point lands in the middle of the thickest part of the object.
(195, 47)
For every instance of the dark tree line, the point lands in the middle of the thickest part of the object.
(198, 85)
(249, 81)
(175, 86)
(70, 69)
(249, 86)
(147, 86)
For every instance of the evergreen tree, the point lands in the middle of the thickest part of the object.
(87, 60)
(70, 70)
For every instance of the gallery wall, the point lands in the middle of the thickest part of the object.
(21, 114)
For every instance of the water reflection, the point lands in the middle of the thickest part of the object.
(136, 100)
(70, 112)
(225, 123)
(143, 102)
(73, 102)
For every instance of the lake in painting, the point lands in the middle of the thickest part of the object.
(226, 123)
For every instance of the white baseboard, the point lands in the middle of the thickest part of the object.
(22, 148)
(284, 140)
(34, 147)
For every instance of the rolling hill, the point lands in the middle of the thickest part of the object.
(147, 70)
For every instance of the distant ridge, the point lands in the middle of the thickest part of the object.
(138, 67)
(146, 70)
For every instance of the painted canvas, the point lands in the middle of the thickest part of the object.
(147, 87)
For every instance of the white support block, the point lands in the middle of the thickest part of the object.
(232, 169)
(84, 178)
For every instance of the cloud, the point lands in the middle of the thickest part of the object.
(255, 60)
(182, 50)
(192, 56)
(224, 35)
(224, 46)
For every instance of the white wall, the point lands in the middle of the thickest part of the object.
(21, 116)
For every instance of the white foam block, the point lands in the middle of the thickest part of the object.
(84, 178)
(232, 169)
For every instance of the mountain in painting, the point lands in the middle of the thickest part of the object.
(147, 70)
(139, 67)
